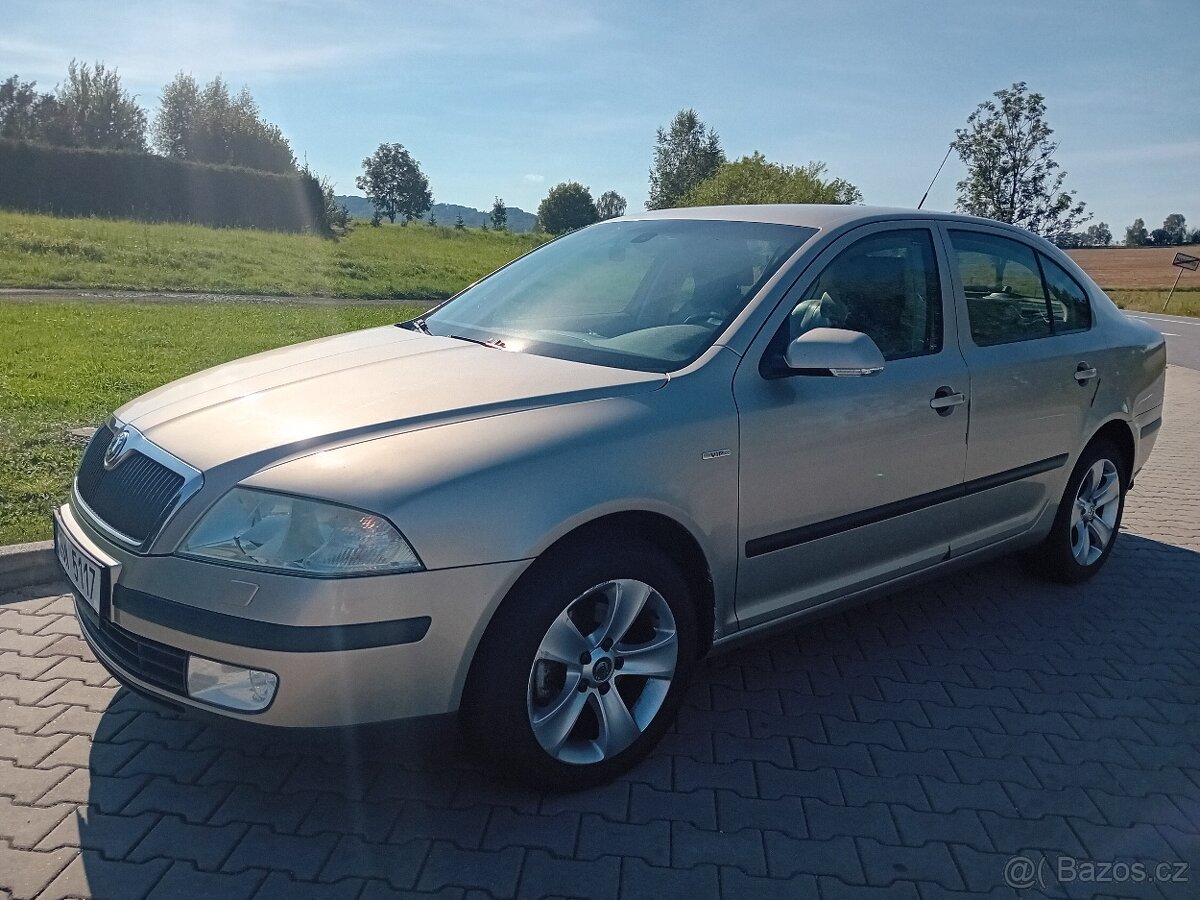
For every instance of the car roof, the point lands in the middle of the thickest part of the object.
(812, 215)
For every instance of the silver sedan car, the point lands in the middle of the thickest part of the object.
(540, 504)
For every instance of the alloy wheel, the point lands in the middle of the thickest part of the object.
(602, 671)
(1094, 513)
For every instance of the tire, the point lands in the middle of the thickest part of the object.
(1089, 516)
(550, 699)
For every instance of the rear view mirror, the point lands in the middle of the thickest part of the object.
(833, 351)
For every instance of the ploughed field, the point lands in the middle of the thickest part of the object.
(1139, 278)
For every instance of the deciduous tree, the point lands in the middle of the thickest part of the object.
(1099, 235)
(93, 109)
(395, 185)
(23, 110)
(1136, 234)
(568, 206)
(754, 179)
(611, 205)
(212, 126)
(685, 154)
(1011, 172)
(1175, 225)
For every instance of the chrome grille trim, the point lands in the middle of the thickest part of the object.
(191, 480)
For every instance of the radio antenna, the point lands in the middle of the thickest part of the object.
(935, 175)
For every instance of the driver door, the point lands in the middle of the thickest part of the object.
(849, 482)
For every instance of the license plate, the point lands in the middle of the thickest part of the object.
(89, 577)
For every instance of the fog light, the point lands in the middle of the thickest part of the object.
(246, 690)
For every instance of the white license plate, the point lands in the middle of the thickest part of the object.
(84, 573)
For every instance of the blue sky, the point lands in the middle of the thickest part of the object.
(510, 98)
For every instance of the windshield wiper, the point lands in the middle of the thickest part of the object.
(417, 324)
(494, 343)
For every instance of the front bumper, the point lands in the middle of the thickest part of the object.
(347, 651)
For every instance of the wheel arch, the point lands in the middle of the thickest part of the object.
(669, 536)
(1120, 433)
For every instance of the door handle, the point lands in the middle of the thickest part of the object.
(945, 399)
(1084, 373)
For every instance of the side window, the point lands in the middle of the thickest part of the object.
(885, 286)
(1005, 300)
(1069, 309)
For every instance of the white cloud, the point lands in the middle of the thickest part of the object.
(535, 179)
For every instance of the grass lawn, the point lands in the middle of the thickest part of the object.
(66, 365)
(1183, 302)
(415, 262)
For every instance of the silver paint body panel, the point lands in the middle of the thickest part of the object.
(485, 458)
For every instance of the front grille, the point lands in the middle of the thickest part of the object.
(149, 661)
(131, 498)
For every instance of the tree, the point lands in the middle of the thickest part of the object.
(459, 224)
(1136, 234)
(1160, 237)
(175, 127)
(499, 215)
(1099, 235)
(211, 126)
(685, 155)
(568, 206)
(394, 183)
(23, 110)
(1011, 173)
(1195, 237)
(1176, 228)
(754, 179)
(611, 205)
(93, 109)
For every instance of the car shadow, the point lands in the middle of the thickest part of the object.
(173, 798)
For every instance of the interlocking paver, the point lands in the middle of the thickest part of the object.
(785, 814)
(25, 826)
(25, 873)
(744, 849)
(558, 834)
(206, 846)
(904, 749)
(181, 880)
(650, 841)
(112, 836)
(546, 876)
(29, 785)
(495, 871)
(398, 864)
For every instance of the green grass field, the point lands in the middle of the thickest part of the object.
(1183, 302)
(66, 365)
(415, 262)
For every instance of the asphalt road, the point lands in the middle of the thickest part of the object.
(1183, 337)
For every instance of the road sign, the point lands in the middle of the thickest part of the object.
(1186, 262)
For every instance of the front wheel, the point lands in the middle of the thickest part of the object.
(1089, 516)
(584, 666)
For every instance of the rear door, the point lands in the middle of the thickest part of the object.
(1025, 332)
(847, 482)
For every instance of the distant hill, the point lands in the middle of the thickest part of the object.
(518, 219)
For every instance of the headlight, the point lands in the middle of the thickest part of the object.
(309, 537)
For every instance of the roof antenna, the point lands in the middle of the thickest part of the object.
(935, 175)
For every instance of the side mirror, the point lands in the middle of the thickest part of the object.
(833, 351)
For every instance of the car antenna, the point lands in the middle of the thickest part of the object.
(935, 175)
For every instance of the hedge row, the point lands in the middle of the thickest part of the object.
(69, 182)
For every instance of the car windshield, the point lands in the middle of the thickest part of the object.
(650, 295)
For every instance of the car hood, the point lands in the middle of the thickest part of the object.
(353, 387)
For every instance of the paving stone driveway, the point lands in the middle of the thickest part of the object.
(909, 748)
